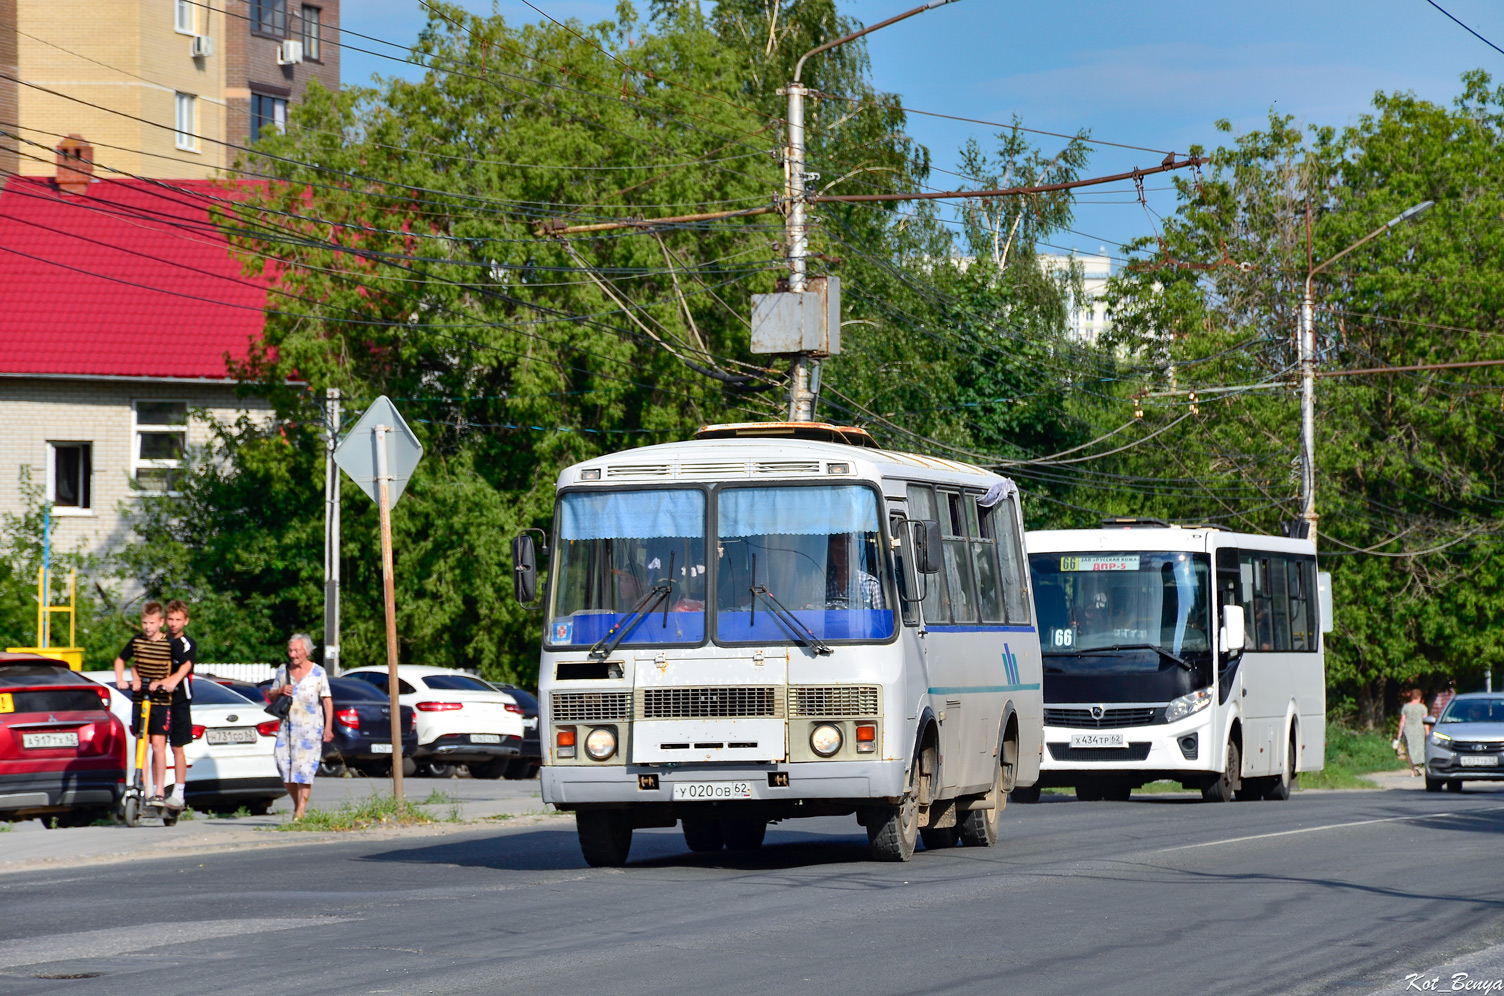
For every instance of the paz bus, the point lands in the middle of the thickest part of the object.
(1190, 654)
(783, 620)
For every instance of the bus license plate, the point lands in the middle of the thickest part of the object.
(1099, 740)
(381, 748)
(1487, 761)
(231, 736)
(38, 740)
(711, 791)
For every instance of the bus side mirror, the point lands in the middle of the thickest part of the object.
(1234, 635)
(926, 546)
(524, 568)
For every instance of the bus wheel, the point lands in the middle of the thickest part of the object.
(1229, 781)
(703, 835)
(892, 831)
(1117, 792)
(605, 837)
(1027, 796)
(1089, 793)
(979, 826)
(744, 835)
(1281, 785)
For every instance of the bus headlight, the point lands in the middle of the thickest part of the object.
(601, 743)
(825, 739)
(1188, 705)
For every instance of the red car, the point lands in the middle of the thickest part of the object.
(62, 754)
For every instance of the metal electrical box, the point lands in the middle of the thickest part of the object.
(808, 322)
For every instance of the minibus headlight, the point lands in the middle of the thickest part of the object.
(825, 739)
(601, 743)
(1188, 705)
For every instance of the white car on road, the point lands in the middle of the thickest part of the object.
(230, 762)
(461, 719)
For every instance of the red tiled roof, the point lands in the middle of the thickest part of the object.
(131, 280)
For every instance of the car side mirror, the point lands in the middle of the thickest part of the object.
(926, 546)
(1233, 636)
(524, 569)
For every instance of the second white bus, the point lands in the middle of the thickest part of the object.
(1189, 654)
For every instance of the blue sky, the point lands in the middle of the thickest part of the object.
(1149, 72)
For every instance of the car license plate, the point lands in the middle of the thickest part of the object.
(485, 738)
(711, 791)
(40, 740)
(246, 735)
(1486, 761)
(381, 748)
(1098, 740)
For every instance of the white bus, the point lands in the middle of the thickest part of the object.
(1190, 654)
(783, 620)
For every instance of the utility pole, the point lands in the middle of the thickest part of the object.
(331, 532)
(389, 590)
(1307, 347)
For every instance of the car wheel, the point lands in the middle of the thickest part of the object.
(80, 817)
(1229, 781)
(1433, 784)
(441, 769)
(1454, 785)
(605, 837)
(490, 769)
(333, 768)
(703, 835)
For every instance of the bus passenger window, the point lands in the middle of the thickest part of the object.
(1015, 581)
(936, 599)
(958, 579)
(984, 560)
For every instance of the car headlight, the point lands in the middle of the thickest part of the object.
(1188, 705)
(825, 739)
(601, 743)
(1439, 739)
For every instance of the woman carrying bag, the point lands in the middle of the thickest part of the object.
(300, 697)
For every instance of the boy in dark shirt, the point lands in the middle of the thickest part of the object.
(180, 684)
(150, 655)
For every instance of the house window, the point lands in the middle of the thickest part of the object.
(267, 114)
(269, 17)
(311, 31)
(70, 468)
(159, 437)
(187, 122)
(185, 17)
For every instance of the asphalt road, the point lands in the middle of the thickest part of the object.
(1328, 893)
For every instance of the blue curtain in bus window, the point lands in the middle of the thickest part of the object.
(796, 511)
(642, 514)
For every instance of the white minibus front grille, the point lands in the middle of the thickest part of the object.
(787, 468)
(1109, 719)
(590, 707)
(830, 701)
(726, 702)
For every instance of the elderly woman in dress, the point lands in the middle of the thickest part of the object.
(308, 726)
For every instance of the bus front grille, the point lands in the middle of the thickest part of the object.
(827, 701)
(1111, 719)
(1133, 752)
(728, 702)
(590, 707)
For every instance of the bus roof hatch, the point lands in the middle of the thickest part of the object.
(822, 432)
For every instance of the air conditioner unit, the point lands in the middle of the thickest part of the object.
(203, 45)
(289, 53)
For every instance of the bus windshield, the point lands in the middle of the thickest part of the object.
(625, 550)
(807, 552)
(1097, 601)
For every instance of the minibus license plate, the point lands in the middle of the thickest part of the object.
(35, 740)
(1486, 761)
(711, 791)
(381, 748)
(1098, 740)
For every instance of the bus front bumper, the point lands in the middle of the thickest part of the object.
(1166, 750)
(566, 786)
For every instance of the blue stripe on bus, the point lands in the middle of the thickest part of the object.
(948, 628)
(964, 689)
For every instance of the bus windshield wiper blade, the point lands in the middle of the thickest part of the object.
(1136, 646)
(618, 633)
(801, 632)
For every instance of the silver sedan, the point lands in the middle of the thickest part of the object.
(1467, 742)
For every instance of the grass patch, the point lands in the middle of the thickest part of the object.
(7, 827)
(374, 811)
(1351, 754)
(187, 814)
(437, 798)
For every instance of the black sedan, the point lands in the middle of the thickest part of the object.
(528, 762)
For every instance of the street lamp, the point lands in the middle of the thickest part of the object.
(801, 398)
(1308, 371)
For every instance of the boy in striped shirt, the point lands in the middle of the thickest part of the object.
(150, 654)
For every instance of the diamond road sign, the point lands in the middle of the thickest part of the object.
(356, 456)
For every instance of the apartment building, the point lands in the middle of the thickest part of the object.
(1088, 314)
(159, 88)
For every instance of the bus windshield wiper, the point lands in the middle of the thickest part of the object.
(1136, 646)
(606, 644)
(801, 632)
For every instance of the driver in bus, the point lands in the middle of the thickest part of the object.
(845, 588)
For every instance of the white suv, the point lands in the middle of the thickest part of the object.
(461, 719)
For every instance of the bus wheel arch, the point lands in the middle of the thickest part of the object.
(1225, 785)
(979, 827)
